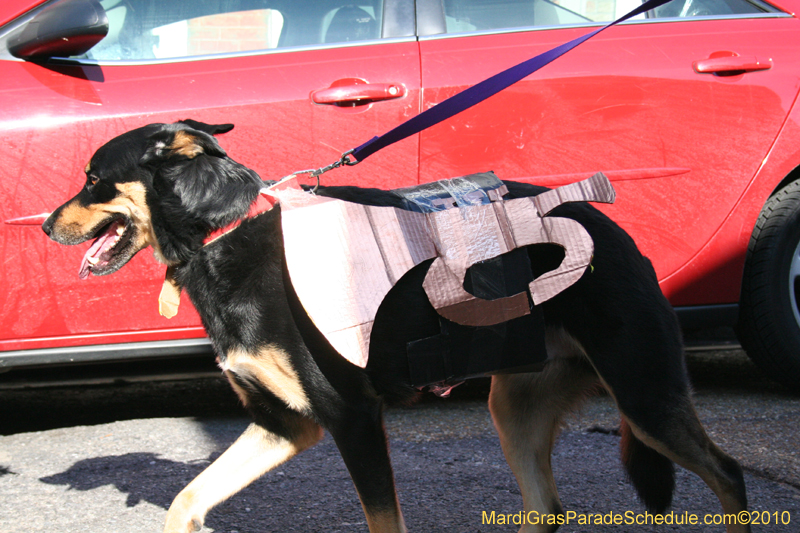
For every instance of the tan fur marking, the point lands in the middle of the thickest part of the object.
(240, 392)
(132, 198)
(88, 167)
(76, 221)
(254, 453)
(273, 369)
(385, 521)
(527, 410)
(184, 144)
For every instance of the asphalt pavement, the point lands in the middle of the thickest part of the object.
(111, 456)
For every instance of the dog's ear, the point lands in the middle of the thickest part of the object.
(211, 129)
(180, 142)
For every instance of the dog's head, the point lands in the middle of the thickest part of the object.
(161, 185)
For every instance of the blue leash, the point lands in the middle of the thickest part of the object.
(469, 97)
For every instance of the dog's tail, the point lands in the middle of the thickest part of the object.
(652, 474)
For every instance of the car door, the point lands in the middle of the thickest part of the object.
(302, 80)
(679, 108)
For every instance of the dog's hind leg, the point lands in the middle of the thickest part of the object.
(361, 440)
(255, 452)
(680, 437)
(527, 410)
(646, 376)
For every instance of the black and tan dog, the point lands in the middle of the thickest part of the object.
(170, 185)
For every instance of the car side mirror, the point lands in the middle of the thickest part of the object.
(64, 29)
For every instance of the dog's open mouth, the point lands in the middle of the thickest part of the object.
(99, 258)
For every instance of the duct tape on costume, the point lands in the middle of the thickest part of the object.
(364, 250)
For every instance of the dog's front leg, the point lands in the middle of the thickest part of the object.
(255, 452)
(361, 440)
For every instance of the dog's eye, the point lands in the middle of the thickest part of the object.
(92, 180)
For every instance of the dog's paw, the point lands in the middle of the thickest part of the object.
(181, 521)
(184, 526)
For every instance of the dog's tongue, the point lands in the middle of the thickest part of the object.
(101, 245)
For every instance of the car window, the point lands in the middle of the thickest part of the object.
(483, 15)
(154, 29)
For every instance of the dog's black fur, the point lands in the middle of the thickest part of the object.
(613, 328)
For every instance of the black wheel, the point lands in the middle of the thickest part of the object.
(769, 316)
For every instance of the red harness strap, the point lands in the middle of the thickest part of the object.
(261, 204)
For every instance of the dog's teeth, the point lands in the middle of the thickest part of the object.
(93, 260)
(120, 230)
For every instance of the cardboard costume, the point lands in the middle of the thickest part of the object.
(343, 258)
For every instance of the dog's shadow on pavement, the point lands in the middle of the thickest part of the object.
(142, 476)
(314, 485)
(313, 492)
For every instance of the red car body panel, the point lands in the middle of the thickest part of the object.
(634, 122)
(45, 304)
(716, 269)
(693, 156)
(12, 10)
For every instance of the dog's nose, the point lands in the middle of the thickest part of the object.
(47, 226)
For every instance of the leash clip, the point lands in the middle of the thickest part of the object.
(345, 160)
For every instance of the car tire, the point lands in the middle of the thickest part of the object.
(769, 315)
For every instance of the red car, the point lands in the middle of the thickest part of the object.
(690, 111)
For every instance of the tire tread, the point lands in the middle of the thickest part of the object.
(761, 329)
